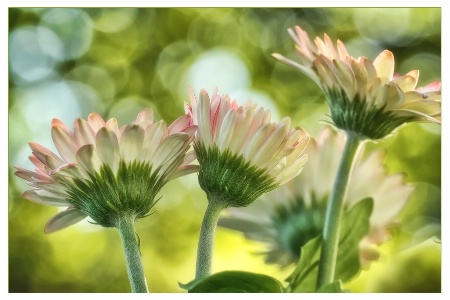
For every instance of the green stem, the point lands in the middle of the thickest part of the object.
(332, 226)
(206, 239)
(125, 225)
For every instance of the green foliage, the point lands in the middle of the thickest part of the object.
(235, 282)
(355, 225)
(334, 287)
(229, 178)
(141, 65)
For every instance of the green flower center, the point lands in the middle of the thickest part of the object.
(229, 178)
(357, 116)
(296, 224)
(106, 196)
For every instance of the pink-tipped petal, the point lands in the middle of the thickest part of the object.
(107, 147)
(64, 142)
(95, 121)
(185, 170)
(112, 124)
(180, 124)
(431, 87)
(84, 158)
(144, 118)
(40, 152)
(84, 135)
(46, 198)
(131, 142)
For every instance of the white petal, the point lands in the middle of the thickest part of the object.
(95, 121)
(389, 199)
(186, 170)
(395, 97)
(419, 115)
(203, 119)
(292, 170)
(342, 50)
(83, 133)
(64, 142)
(64, 219)
(226, 130)
(384, 64)
(170, 149)
(255, 141)
(406, 83)
(154, 134)
(257, 121)
(306, 70)
(431, 108)
(40, 152)
(84, 158)
(112, 124)
(107, 148)
(241, 130)
(39, 165)
(130, 143)
(272, 144)
(32, 176)
(188, 158)
(144, 118)
(44, 197)
(217, 120)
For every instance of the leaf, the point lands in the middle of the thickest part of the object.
(189, 285)
(354, 226)
(334, 287)
(304, 277)
(235, 282)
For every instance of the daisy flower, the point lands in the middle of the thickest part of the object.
(287, 218)
(365, 97)
(241, 153)
(103, 171)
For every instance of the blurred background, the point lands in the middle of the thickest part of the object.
(67, 62)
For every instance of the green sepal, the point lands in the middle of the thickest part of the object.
(105, 195)
(364, 120)
(229, 178)
(235, 282)
(354, 227)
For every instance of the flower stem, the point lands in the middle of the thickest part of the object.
(332, 226)
(125, 225)
(206, 239)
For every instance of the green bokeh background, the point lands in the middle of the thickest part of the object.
(68, 62)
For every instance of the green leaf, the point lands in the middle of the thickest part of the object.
(189, 285)
(304, 277)
(334, 287)
(235, 282)
(354, 226)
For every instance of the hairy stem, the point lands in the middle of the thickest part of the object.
(206, 239)
(332, 226)
(125, 225)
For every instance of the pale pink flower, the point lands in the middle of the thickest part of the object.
(242, 154)
(103, 170)
(365, 97)
(287, 218)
